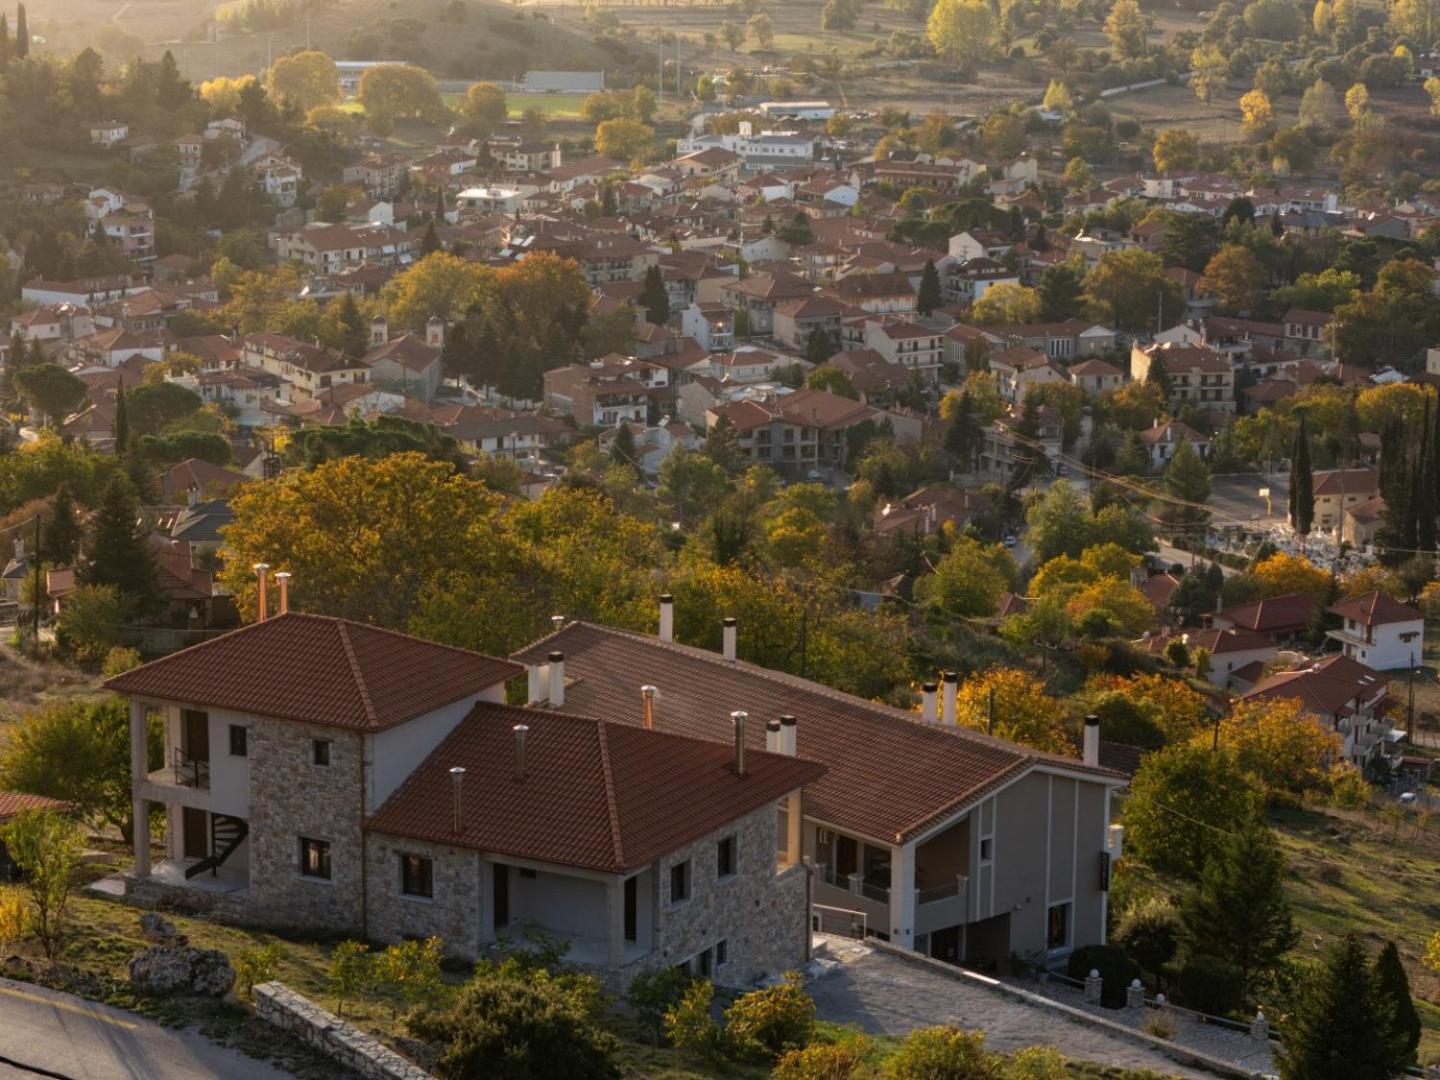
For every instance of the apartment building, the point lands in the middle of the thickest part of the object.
(309, 371)
(908, 343)
(1197, 375)
(1338, 491)
(803, 430)
(605, 392)
(328, 249)
(380, 176)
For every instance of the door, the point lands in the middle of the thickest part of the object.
(197, 735)
(195, 824)
(631, 908)
(500, 898)
(945, 944)
(846, 858)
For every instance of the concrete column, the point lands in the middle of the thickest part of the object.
(793, 824)
(1134, 995)
(902, 895)
(1260, 1027)
(615, 920)
(139, 769)
(1094, 987)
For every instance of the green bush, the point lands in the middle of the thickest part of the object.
(770, 1021)
(822, 1061)
(1211, 985)
(1150, 932)
(523, 1028)
(945, 1053)
(690, 1027)
(255, 966)
(653, 994)
(1116, 968)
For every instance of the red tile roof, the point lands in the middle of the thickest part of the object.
(12, 802)
(595, 794)
(318, 670)
(875, 785)
(1270, 616)
(1375, 609)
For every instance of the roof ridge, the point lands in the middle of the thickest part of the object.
(354, 663)
(611, 809)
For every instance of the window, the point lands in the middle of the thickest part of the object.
(417, 876)
(722, 953)
(987, 848)
(680, 882)
(1057, 934)
(320, 749)
(315, 858)
(239, 745)
(725, 857)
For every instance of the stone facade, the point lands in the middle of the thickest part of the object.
(760, 911)
(351, 1048)
(292, 797)
(453, 912)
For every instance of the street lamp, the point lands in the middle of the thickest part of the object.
(1269, 509)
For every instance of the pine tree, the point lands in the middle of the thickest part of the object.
(439, 204)
(62, 532)
(1238, 912)
(456, 356)
(819, 345)
(929, 297)
(430, 242)
(1331, 1032)
(1187, 480)
(4, 39)
(22, 33)
(1302, 483)
(118, 549)
(654, 299)
(352, 325)
(1394, 987)
(122, 420)
(1425, 484)
(622, 448)
(1397, 489)
(608, 205)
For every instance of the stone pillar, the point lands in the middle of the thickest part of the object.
(902, 895)
(1260, 1027)
(1094, 987)
(1134, 995)
(139, 769)
(615, 920)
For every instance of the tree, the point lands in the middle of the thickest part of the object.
(1127, 28)
(89, 623)
(122, 419)
(1058, 98)
(1078, 178)
(831, 379)
(484, 106)
(22, 33)
(1257, 114)
(1302, 483)
(654, 297)
(50, 389)
(1332, 1030)
(1024, 712)
(796, 232)
(1058, 523)
(1235, 278)
(1320, 107)
(1183, 801)
(117, 549)
(962, 32)
(1284, 748)
(440, 285)
(1238, 911)
(46, 847)
(400, 92)
(969, 581)
(62, 535)
(1007, 304)
(152, 407)
(1187, 482)
(624, 139)
(936, 1052)
(732, 34)
(304, 80)
(929, 298)
(1134, 284)
(1210, 70)
(1283, 574)
(1432, 87)
(1060, 290)
(762, 28)
(692, 483)
(1357, 101)
(430, 240)
(1274, 20)
(1399, 1007)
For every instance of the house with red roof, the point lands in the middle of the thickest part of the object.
(1380, 632)
(1343, 694)
(1280, 618)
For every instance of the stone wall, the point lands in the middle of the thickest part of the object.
(350, 1047)
(761, 915)
(454, 911)
(291, 797)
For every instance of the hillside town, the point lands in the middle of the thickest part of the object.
(893, 562)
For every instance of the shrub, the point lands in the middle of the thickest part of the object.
(653, 994)
(691, 1028)
(1211, 985)
(1115, 967)
(526, 1027)
(1037, 1063)
(352, 972)
(1150, 932)
(1160, 1025)
(255, 966)
(119, 660)
(928, 1053)
(412, 969)
(14, 921)
(772, 1020)
(822, 1061)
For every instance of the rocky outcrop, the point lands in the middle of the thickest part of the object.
(177, 968)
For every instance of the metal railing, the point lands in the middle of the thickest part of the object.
(191, 772)
(839, 921)
(852, 883)
(946, 891)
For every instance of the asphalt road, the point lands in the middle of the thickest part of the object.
(1235, 499)
(47, 1033)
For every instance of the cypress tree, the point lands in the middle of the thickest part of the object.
(22, 33)
(4, 38)
(118, 547)
(654, 299)
(1397, 489)
(622, 449)
(1332, 1031)
(456, 356)
(122, 420)
(1399, 1007)
(1238, 912)
(1425, 485)
(430, 242)
(439, 204)
(929, 297)
(62, 531)
(1302, 483)
(819, 345)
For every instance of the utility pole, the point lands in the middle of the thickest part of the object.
(1410, 711)
(35, 613)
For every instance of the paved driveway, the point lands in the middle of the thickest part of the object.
(47, 1033)
(885, 995)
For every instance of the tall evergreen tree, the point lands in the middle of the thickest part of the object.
(1238, 912)
(61, 540)
(439, 204)
(1397, 489)
(22, 33)
(820, 345)
(1187, 480)
(929, 297)
(430, 241)
(122, 420)
(1425, 484)
(622, 448)
(654, 299)
(118, 549)
(1302, 483)
(4, 39)
(355, 340)
(1399, 1007)
(457, 358)
(1332, 1031)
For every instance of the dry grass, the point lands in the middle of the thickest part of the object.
(27, 684)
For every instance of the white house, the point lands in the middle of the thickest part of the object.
(1380, 632)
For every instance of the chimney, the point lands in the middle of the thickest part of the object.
(521, 730)
(927, 709)
(457, 779)
(667, 617)
(647, 693)
(739, 719)
(950, 685)
(557, 622)
(19, 549)
(557, 679)
(1090, 754)
(283, 579)
(435, 332)
(787, 735)
(379, 331)
(192, 495)
(773, 737)
(728, 633)
(261, 569)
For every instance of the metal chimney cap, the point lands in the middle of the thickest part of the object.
(457, 771)
(667, 598)
(520, 729)
(930, 687)
(283, 575)
(787, 720)
(950, 676)
(1092, 719)
(647, 690)
(260, 567)
(557, 621)
(739, 715)
(729, 620)
(556, 655)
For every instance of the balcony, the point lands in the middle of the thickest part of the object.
(190, 772)
(942, 905)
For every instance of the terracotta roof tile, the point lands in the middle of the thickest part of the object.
(12, 802)
(319, 670)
